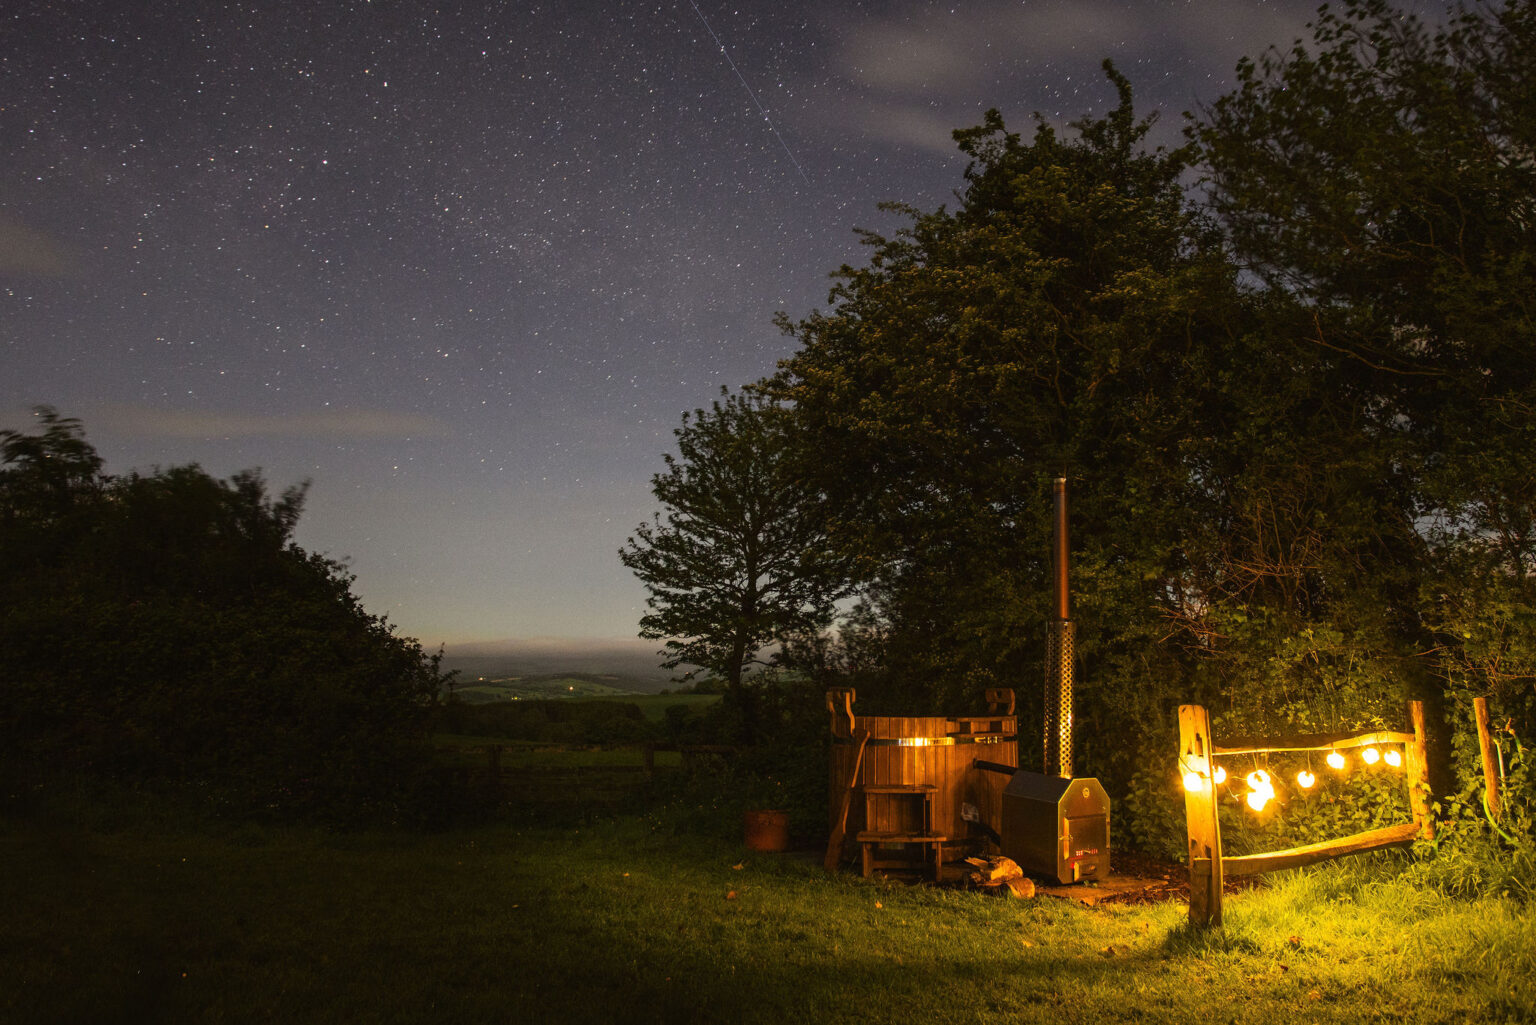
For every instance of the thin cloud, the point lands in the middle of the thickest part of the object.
(912, 80)
(26, 251)
(916, 124)
(337, 425)
(961, 52)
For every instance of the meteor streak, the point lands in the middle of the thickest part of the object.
(742, 79)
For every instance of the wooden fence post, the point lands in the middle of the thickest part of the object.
(1205, 874)
(1417, 773)
(840, 703)
(1490, 766)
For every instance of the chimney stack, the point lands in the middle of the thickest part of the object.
(1058, 651)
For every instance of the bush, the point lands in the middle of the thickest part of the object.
(1474, 855)
(164, 627)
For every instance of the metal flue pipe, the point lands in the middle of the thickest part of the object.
(1059, 552)
(1058, 650)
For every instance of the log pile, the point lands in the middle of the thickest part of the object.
(999, 875)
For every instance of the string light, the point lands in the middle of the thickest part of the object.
(1261, 787)
(1261, 790)
(1194, 772)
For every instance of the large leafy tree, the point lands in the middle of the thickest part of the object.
(1077, 314)
(1384, 175)
(165, 625)
(1060, 320)
(737, 559)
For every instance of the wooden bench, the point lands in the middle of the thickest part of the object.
(871, 839)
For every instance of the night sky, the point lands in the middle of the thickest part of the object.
(464, 265)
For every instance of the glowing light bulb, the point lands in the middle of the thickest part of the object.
(1370, 756)
(1221, 774)
(1261, 790)
(1193, 781)
(1335, 760)
(1305, 779)
(1394, 758)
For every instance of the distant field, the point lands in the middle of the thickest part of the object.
(583, 686)
(632, 664)
(477, 690)
(458, 749)
(655, 706)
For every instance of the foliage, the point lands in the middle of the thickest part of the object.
(1383, 176)
(736, 561)
(1474, 852)
(1077, 315)
(165, 626)
(1295, 406)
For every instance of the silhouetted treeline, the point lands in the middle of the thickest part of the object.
(165, 627)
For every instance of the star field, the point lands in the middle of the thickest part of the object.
(464, 266)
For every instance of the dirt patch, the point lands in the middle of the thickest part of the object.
(1134, 878)
(1157, 880)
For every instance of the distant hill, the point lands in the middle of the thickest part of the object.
(624, 665)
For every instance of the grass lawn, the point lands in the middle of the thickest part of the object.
(124, 918)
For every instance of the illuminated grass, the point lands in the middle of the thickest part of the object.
(632, 921)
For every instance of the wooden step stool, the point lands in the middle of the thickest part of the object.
(870, 839)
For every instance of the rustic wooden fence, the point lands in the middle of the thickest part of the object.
(1208, 867)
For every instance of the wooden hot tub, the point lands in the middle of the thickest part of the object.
(916, 774)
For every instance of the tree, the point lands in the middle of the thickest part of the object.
(165, 626)
(1072, 315)
(1384, 176)
(737, 559)
(44, 479)
(1234, 517)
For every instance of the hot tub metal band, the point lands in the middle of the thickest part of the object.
(995, 738)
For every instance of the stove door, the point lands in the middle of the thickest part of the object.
(1086, 846)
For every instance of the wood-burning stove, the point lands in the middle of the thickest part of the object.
(1053, 823)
